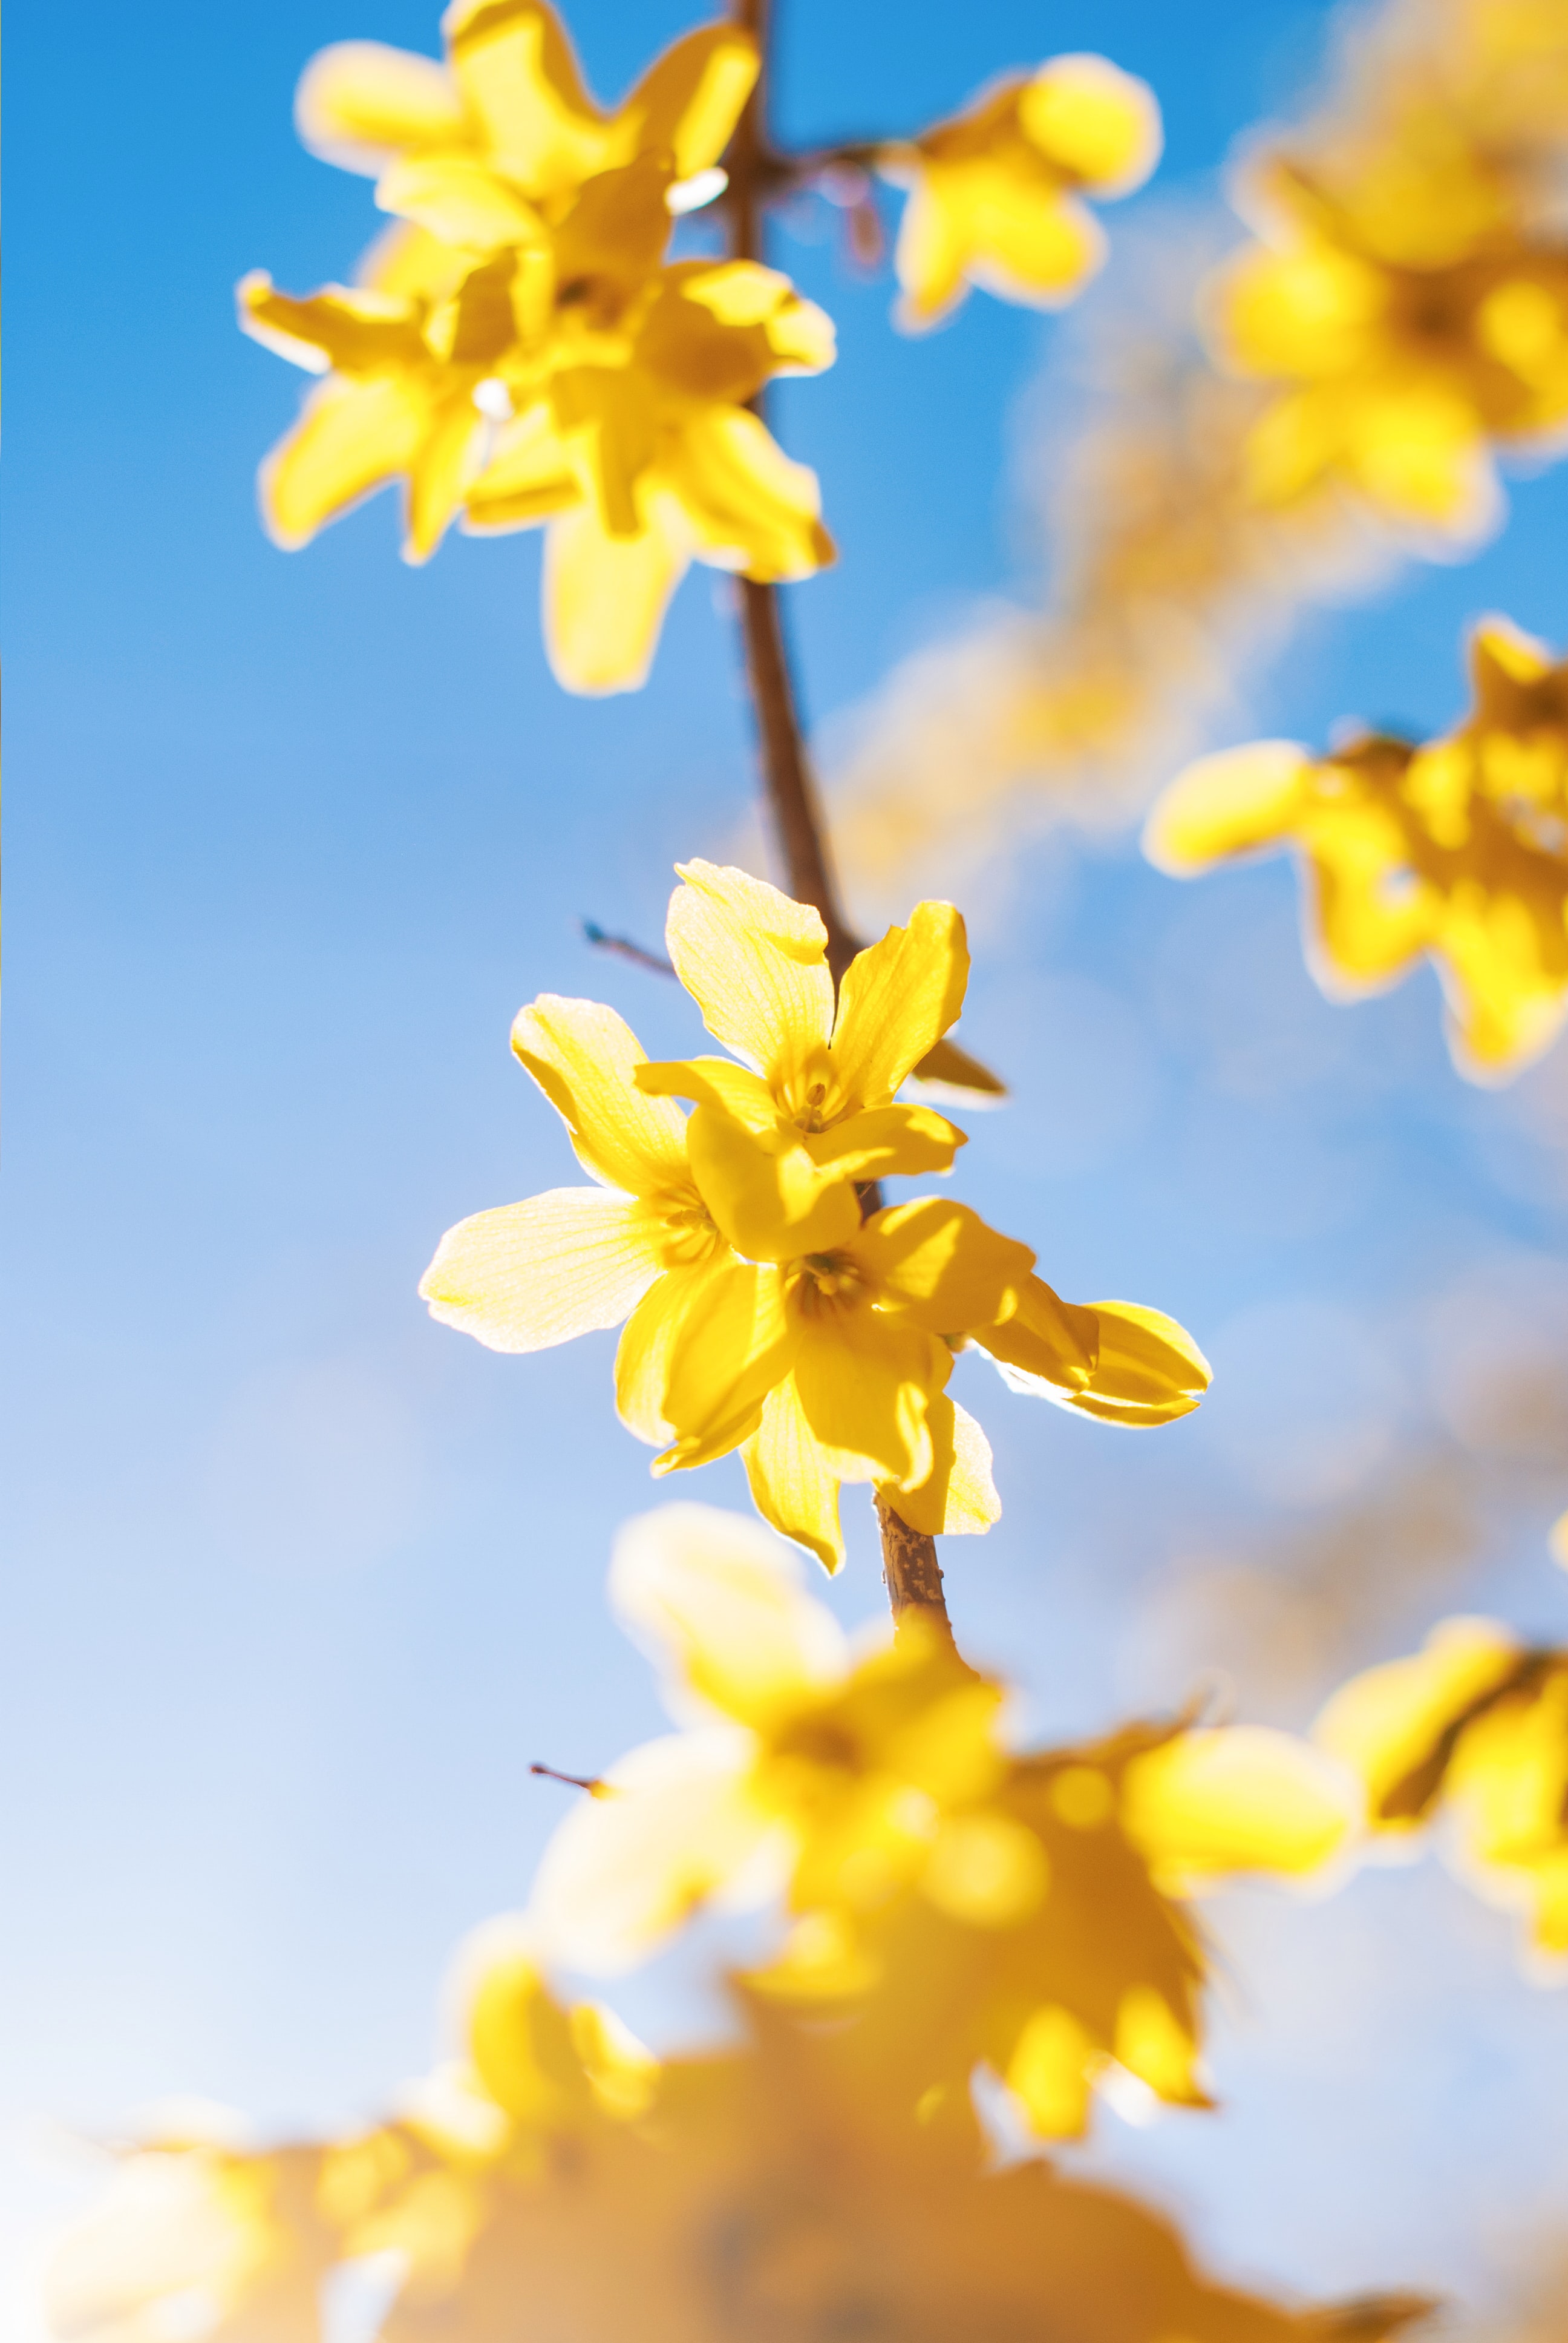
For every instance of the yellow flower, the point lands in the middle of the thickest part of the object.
(1411, 321)
(993, 193)
(765, 1314)
(1458, 850)
(1475, 1723)
(969, 1903)
(517, 350)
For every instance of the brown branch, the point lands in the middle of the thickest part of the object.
(639, 954)
(589, 1782)
(911, 1571)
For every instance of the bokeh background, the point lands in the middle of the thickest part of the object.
(298, 1583)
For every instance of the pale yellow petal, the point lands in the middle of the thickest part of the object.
(519, 77)
(1236, 1798)
(720, 1603)
(755, 965)
(529, 477)
(897, 1000)
(1241, 802)
(959, 1497)
(360, 104)
(527, 1276)
(352, 438)
(748, 506)
(440, 472)
(1093, 121)
(585, 1058)
(792, 1483)
(604, 600)
(929, 259)
(626, 1868)
(354, 328)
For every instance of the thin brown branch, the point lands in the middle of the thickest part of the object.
(911, 1571)
(639, 954)
(589, 1782)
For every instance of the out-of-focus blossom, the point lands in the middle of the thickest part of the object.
(1411, 322)
(763, 1312)
(1475, 1726)
(783, 2189)
(1458, 850)
(993, 195)
(516, 350)
(971, 1904)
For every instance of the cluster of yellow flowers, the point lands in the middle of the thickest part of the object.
(1408, 297)
(764, 1310)
(520, 350)
(1458, 850)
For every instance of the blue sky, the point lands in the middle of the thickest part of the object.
(299, 1582)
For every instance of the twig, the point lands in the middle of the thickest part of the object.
(602, 941)
(589, 1782)
(910, 1570)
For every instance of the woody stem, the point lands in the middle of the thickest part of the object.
(787, 776)
(910, 1566)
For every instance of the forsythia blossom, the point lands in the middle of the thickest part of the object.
(762, 1311)
(1474, 1726)
(1458, 850)
(1012, 1909)
(1410, 318)
(516, 349)
(993, 195)
(553, 2172)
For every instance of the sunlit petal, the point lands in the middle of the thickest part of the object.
(525, 1276)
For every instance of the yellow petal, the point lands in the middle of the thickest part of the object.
(951, 1076)
(886, 1142)
(986, 1870)
(626, 1868)
(929, 259)
(1394, 1726)
(527, 1276)
(719, 1603)
(1044, 1341)
(897, 1000)
(604, 597)
(1238, 802)
(1094, 121)
(765, 1192)
(734, 1090)
(1147, 1369)
(958, 1497)
(1235, 1798)
(360, 104)
(440, 473)
(516, 72)
(351, 438)
(585, 1058)
(864, 1381)
(700, 1354)
(750, 508)
(1152, 2043)
(940, 1266)
(755, 965)
(459, 199)
(357, 329)
(529, 478)
(792, 1483)
(1050, 2072)
(692, 98)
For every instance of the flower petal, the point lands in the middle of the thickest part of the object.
(604, 600)
(719, 1603)
(765, 1194)
(1235, 1798)
(351, 438)
(940, 1265)
(734, 1090)
(586, 1059)
(440, 473)
(699, 1355)
(459, 199)
(755, 965)
(529, 477)
(692, 98)
(1241, 802)
(672, 1824)
(884, 1142)
(515, 69)
(793, 1485)
(950, 1076)
(864, 1381)
(354, 328)
(958, 1498)
(360, 104)
(1094, 121)
(897, 1000)
(1148, 1369)
(527, 1276)
(1395, 1725)
(750, 506)
(1045, 1340)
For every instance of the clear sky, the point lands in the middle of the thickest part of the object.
(297, 1583)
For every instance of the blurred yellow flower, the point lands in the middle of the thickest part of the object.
(765, 1314)
(971, 1904)
(1474, 1727)
(783, 2187)
(993, 194)
(516, 348)
(1412, 321)
(1458, 850)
